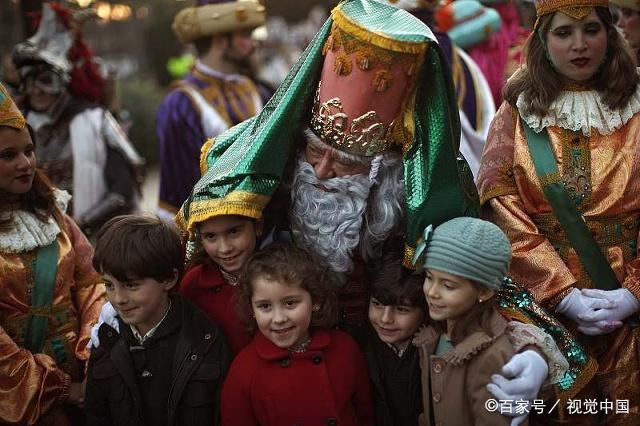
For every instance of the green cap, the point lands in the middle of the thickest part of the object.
(470, 248)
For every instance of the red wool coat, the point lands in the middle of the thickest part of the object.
(326, 385)
(206, 288)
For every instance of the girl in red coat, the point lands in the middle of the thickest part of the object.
(296, 370)
(226, 242)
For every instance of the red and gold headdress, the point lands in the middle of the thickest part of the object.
(365, 99)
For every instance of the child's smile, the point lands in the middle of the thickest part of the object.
(283, 312)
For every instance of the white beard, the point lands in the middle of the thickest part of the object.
(328, 223)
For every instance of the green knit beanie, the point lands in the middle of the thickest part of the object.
(470, 248)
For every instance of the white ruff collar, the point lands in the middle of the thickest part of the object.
(28, 232)
(581, 111)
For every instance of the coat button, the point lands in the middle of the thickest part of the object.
(285, 362)
(194, 357)
(215, 289)
(207, 336)
(331, 421)
(437, 368)
(436, 397)
(316, 359)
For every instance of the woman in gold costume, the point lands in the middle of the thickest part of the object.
(50, 295)
(560, 174)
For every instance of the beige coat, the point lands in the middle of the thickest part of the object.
(459, 377)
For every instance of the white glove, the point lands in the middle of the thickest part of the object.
(575, 305)
(107, 316)
(521, 379)
(623, 301)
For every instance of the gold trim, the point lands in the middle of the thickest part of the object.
(550, 179)
(204, 149)
(240, 203)
(346, 24)
(496, 192)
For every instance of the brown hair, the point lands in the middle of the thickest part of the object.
(541, 84)
(294, 267)
(478, 318)
(396, 285)
(39, 200)
(133, 247)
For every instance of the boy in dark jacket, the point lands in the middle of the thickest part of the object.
(167, 363)
(397, 309)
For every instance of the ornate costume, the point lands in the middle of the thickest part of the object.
(594, 149)
(81, 147)
(206, 102)
(50, 296)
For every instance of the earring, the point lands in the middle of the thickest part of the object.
(315, 308)
(479, 300)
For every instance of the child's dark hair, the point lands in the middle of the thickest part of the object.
(294, 267)
(396, 285)
(133, 247)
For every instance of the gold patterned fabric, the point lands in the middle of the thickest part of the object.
(10, 115)
(602, 176)
(33, 386)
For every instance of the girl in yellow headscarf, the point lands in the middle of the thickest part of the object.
(50, 294)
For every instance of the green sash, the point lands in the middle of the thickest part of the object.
(572, 222)
(42, 296)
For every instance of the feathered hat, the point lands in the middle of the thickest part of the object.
(59, 43)
(365, 53)
(210, 17)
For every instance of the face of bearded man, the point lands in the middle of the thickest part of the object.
(328, 221)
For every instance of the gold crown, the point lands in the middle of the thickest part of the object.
(544, 7)
(367, 135)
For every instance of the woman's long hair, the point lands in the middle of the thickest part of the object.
(616, 80)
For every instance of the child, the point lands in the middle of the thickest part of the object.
(223, 245)
(226, 242)
(167, 364)
(296, 370)
(466, 261)
(397, 309)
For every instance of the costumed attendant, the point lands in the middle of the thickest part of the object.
(50, 295)
(297, 370)
(629, 22)
(82, 148)
(466, 262)
(213, 97)
(560, 175)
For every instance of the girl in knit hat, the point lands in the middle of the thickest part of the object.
(466, 262)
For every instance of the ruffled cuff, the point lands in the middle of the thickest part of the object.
(521, 335)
